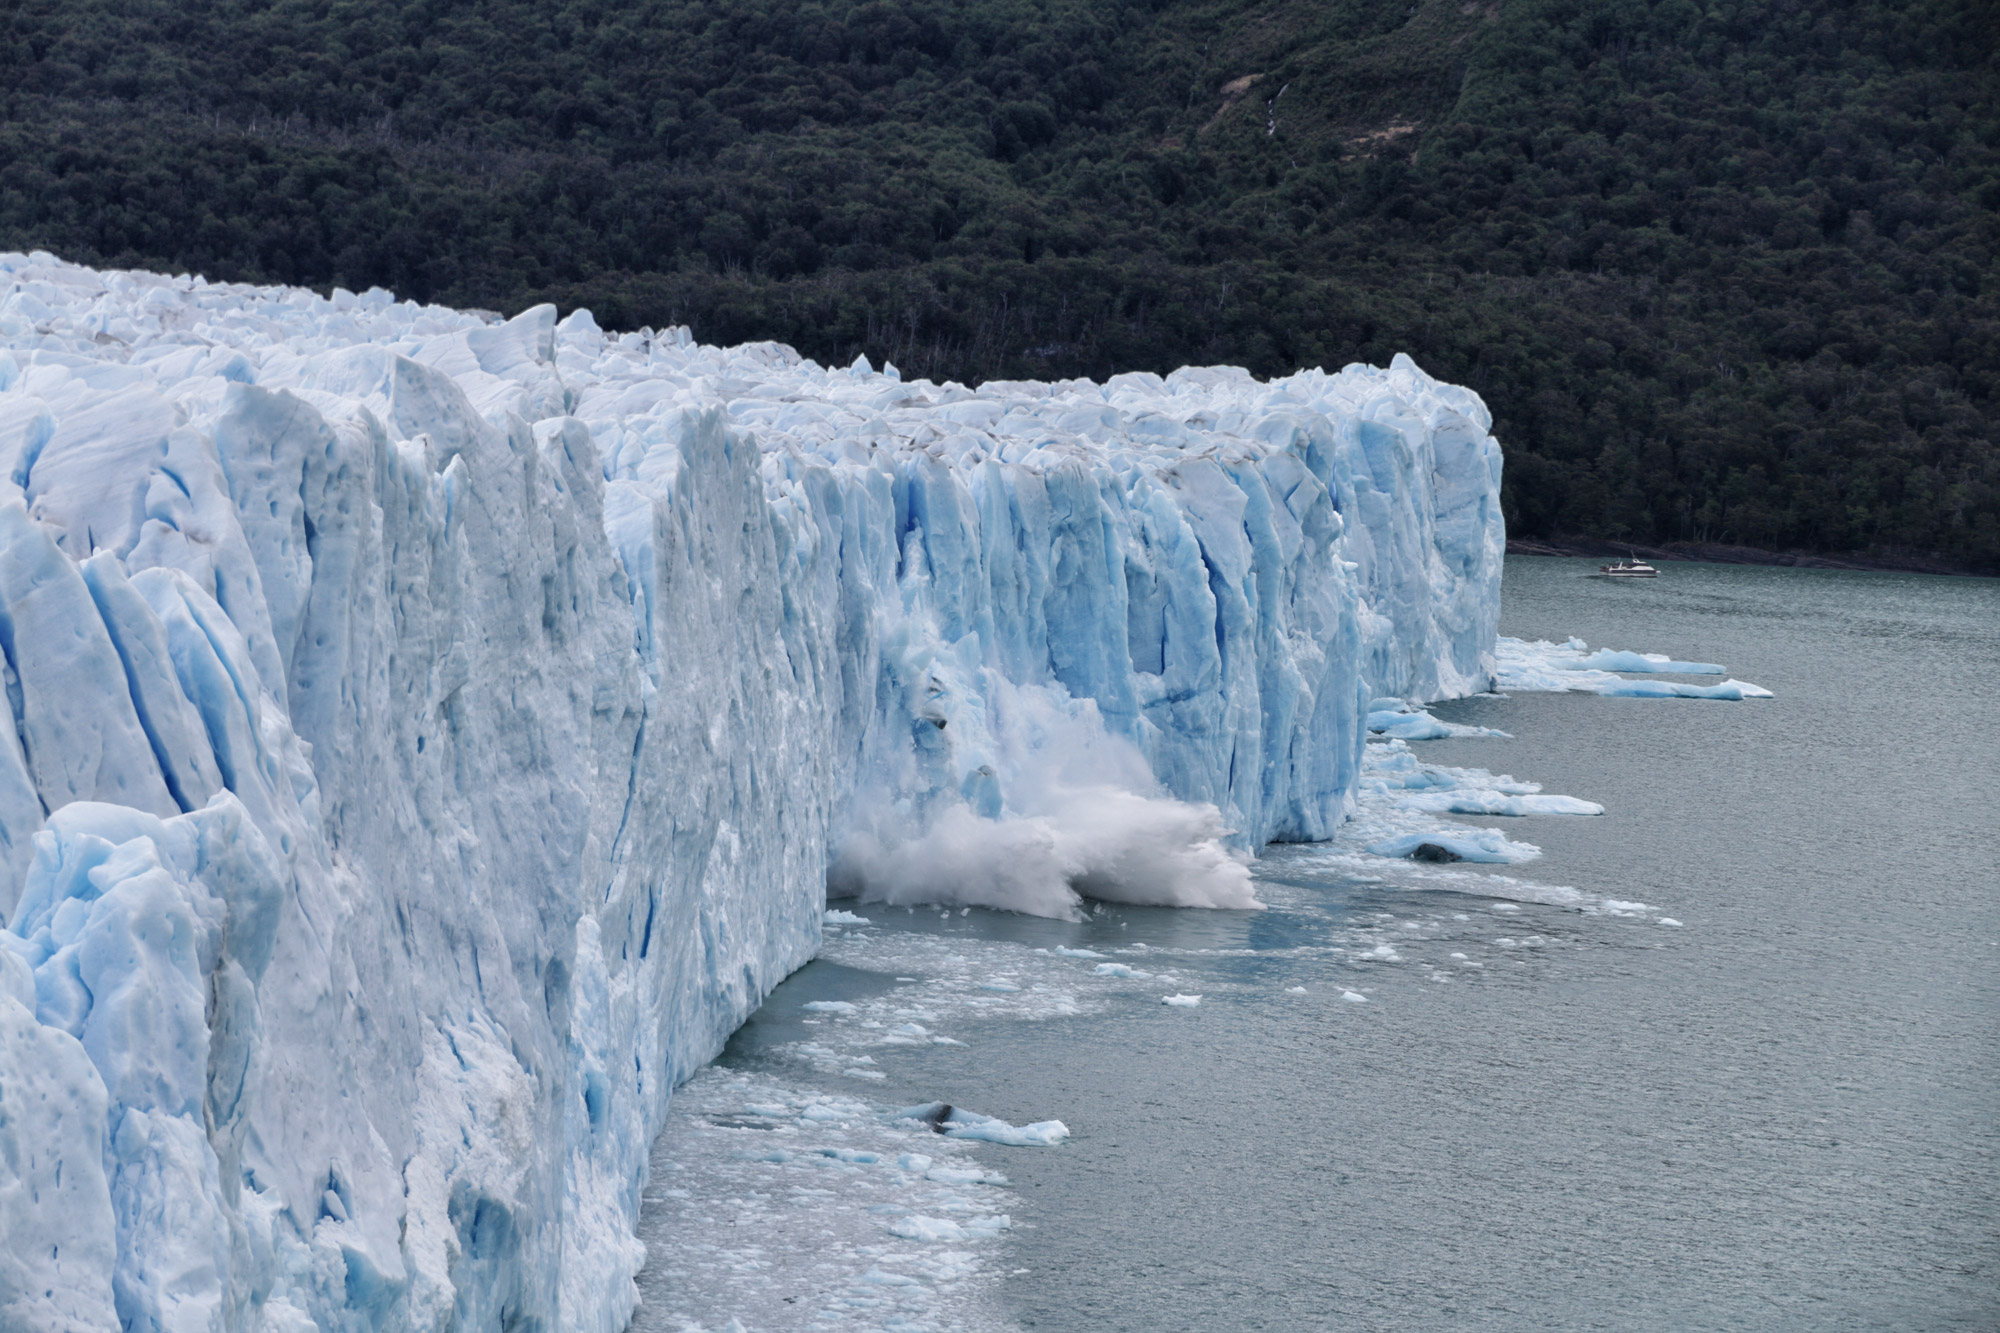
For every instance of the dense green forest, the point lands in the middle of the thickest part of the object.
(1725, 272)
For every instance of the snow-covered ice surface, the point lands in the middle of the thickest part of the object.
(431, 735)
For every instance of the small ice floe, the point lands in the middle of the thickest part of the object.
(1407, 722)
(1075, 953)
(1475, 801)
(1119, 970)
(958, 1123)
(1392, 771)
(835, 917)
(1381, 953)
(1668, 921)
(1448, 843)
(1295, 990)
(1181, 1001)
(1614, 659)
(999, 987)
(1538, 666)
(828, 1007)
(1355, 997)
(959, 1175)
(1732, 690)
(850, 1156)
(919, 1227)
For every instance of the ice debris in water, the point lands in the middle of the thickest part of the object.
(785, 1208)
(1354, 997)
(1407, 722)
(1472, 844)
(918, 1227)
(1612, 659)
(1181, 1001)
(958, 1123)
(1527, 667)
(1394, 770)
(430, 734)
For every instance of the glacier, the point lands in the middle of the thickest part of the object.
(432, 735)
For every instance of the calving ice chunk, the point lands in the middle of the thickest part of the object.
(431, 736)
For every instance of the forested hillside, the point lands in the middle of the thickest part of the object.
(1725, 272)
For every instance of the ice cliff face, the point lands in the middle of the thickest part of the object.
(430, 737)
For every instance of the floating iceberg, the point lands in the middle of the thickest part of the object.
(1391, 769)
(955, 1122)
(1613, 659)
(1538, 666)
(431, 735)
(1463, 844)
(1407, 723)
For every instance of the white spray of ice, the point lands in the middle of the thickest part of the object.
(1083, 818)
(1103, 843)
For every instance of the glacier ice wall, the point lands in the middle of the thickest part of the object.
(431, 736)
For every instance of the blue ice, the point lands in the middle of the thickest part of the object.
(431, 736)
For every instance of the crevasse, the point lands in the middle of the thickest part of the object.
(431, 736)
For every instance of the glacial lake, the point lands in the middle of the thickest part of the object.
(1752, 1081)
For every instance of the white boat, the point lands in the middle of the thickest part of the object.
(1628, 569)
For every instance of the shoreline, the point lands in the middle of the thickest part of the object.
(1717, 553)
